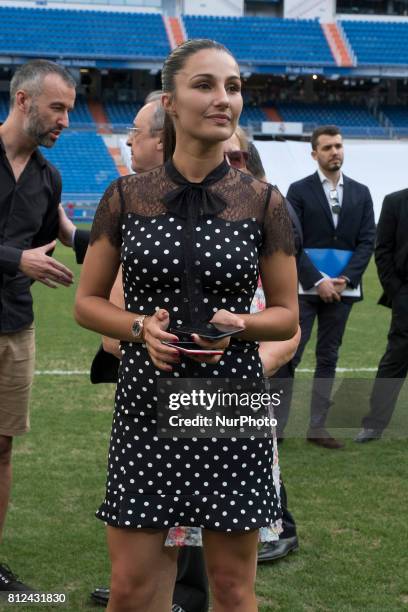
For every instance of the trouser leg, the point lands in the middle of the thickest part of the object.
(191, 590)
(393, 367)
(288, 522)
(307, 315)
(332, 319)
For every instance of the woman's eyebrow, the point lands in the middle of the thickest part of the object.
(207, 76)
(211, 76)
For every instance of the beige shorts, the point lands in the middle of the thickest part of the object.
(17, 356)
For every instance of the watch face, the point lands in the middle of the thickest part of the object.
(137, 328)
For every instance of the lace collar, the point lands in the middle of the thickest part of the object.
(194, 200)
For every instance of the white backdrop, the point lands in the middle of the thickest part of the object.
(382, 166)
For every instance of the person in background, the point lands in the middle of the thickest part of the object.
(391, 258)
(41, 96)
(337, 219)
(274, 355)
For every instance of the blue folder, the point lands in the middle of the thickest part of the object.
(330, 261)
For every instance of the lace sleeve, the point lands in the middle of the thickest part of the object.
(277, 226)
(107, 220)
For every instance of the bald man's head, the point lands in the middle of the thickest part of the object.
(145, 140)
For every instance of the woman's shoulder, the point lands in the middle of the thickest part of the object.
(142, 186)
(242, 189)
(139, 178)
(142, 193)
(245, 179)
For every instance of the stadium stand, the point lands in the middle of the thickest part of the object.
(121, 114)
(80, 116)
(397, 115)
(84, 163)
(355, 121)
(378, 42)
(137, 41)
(252, 114)
(4, 105)
(91, 34)
(265, 40)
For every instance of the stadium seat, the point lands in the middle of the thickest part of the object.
(266, 40)
(84, 162)
(252, 114)
(73, 33)
(378, 42)
(121, 114)
(354, 121)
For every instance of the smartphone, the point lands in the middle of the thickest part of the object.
(191, 348)
(210, 331)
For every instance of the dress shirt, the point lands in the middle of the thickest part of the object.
(28, 219)
(327, 187)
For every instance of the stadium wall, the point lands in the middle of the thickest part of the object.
(379, 165)
(98, 5)
(382, 18)
(324, 10)
(217, 8)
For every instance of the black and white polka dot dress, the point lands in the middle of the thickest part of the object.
(170, 231)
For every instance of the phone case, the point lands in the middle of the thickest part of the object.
(193, 351)
(208, 331)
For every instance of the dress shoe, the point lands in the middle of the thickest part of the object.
(101, 596)
(321, 437)
(272, 551)
(368, 435)
(9, 582)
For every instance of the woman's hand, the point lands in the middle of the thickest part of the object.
(223, 317)
(276, 353)
(154, 332)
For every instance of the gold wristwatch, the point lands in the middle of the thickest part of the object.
(137, 327)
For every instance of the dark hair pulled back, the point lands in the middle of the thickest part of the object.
(175, 62)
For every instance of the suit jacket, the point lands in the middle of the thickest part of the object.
(391, 250)
(104, 367)
(297, 229)
(355, 229)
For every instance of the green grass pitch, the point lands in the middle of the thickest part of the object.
(350, 506)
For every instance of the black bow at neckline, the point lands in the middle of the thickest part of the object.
(194, 199)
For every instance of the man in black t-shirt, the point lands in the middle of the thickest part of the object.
(41, 95)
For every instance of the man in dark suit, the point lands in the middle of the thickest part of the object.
(337, 219)
(391, 258)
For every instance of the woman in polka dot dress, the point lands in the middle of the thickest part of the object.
(192, 237)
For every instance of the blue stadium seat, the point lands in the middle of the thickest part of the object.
(4, 106)
(267, 40)
(121, 114)
(73, 33)
(85, 164)
(81, 116)
(354, 121)
(337, 114)
(398, 115)
(378, 42)
(252, 114)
